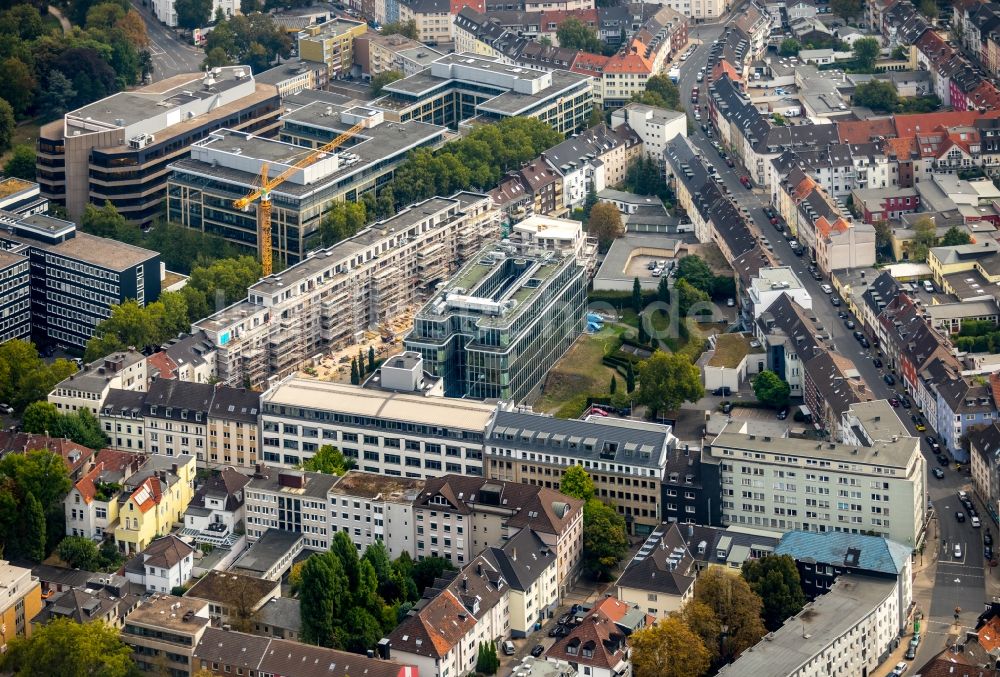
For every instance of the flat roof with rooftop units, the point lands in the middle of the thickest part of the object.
(374, 485)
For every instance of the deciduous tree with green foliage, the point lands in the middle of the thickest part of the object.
(79, 553)
(343, 220)
(666, 380)
(329, 460)
(25, 377)
(790, 47)
(953, 237)
(65, 647)
(689, 297)
(405, 28)
(574, 34)
(878, 95)
(576, 482)
(605, 539)
(382, 79)
(770, 389)
(924, 237)
(21, 164)
(668, 649)
(660, 91)
(605, 224)
(42, 475)
(866, 52)
(847, 9)
(193, 14)
(33, 534)
(7, 125)
(776, 581)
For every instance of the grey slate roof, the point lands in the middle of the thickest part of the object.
(663, 564)
(856, 552)
(522, 559)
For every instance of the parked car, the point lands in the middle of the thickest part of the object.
(745, 180)
(729, 162)
(538, 650)
(877, 362)
(508, 647)
(958, 551)
(975, 521)
(842, 314)
(827, 289)
(894, 403)
(864, 343)
(938, 473)
(6, 408)
(900, 668)
(724, 391)
(960, 516)
(816, 275)
(783, 413)
(920, 426)
(988, 552)
(906, 403)
(727, 407)
(835, 301)
(889, 379)
(943, 460)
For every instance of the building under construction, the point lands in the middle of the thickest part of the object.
(227, 164)
(335, 295)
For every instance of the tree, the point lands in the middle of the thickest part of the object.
(343, 220)
(576, 482)
(953, 236)
(689, 296)
(57, 97)
(668, 649)
(883, 238)
(405, 28)
(323, 589)
(613, 387)
(663, 290)
(41, 418)
(64, 647)
(82, 427)
(21, 164)
(133, 29)
(7, 124)
(427, 570)
(694, 269)
(355, 374)
(636, 296)
(846, 9)
(23, 21)
(666, 380)
(574, 34)
(924, 237)
(703, 622)
(605, 223)
(328, 460)
(193, 14)
(735, 605)
(660, 91)
(630, 378)
(929, 9)
(24, 377)
(605, 539)
(643, 177)
(590, 201)
(79, 553)
(776, 581)
(18, 84)
(770, 389)
(383, 79)
(790, 47)
(33, 536)
(866, 51)
(878, 95)
(487, 662)
(371, 359)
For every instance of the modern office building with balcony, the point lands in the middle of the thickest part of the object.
(118, 149)
(336, 294)
(497, 326)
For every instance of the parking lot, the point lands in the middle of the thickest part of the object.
(638, 266)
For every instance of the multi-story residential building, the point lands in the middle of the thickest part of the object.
(432, 18)
(15, 301)
(233, 597)
(598, 645)
(985, 466)
(531, 570)
(824, 636)
(89, 387)
(227, 163)
(443, 637)
(660, 578)
(21, 603)
(784, 484)
(92, 504)
(654, 126)
(593, 160)
(294, 76)
(494, 329)
(791, 337)
(370, 507)
(153, 499)
(289, 500)
(686, 497)
(97, 604)
(164, 564)
(822, 558)
(21, 197)
(122, 417)
(331, 43)
(164, 632)
(772, 283)
(384, 431)
(376, 53)
(166, 10)
(75, 278)
(118, 148)
(217, 509)
(340, 292)
(458, 517)
(187, 358)
(457, 88)
(831, 385)
(625, 458)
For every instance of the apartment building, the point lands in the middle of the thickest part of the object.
(164, 564)
(494, 329)
(15, 301)
(88, 388)
(784, 484)
(228, 162)
(375, 53)
(331, 43)
(457, 88)
(76, 278)
(153, 500)
(592, 161)
(384, 431)
(654, 126)
(119, 148)
(370, 507)
(659, 579)
(530, 568)
(289, 500)
(91, 506)
(216, 510)
(164, 632)
(598, 644)
(21, 603)
(335, 295)
(443, 637)
(433, 18)
(457, 517)
(625, 458)
(166, 10)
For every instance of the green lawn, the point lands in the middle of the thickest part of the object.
(579, 373)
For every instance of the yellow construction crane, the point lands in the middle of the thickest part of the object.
(268, 184)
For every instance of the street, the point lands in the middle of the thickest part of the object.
(959, 582)
(171, 55)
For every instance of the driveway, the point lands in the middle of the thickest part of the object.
(171, 55)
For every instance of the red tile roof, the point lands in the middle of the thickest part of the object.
(629, 62)
(864, 131)
(76, 456)
(586, 63)
(107, 460)
(163, 364)
(557, 16)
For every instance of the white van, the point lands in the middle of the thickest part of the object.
(508, 648)
(928, 286)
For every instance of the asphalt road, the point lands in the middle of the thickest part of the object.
(959, 581)
(171, 55)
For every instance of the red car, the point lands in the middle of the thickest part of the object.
(745, 180)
